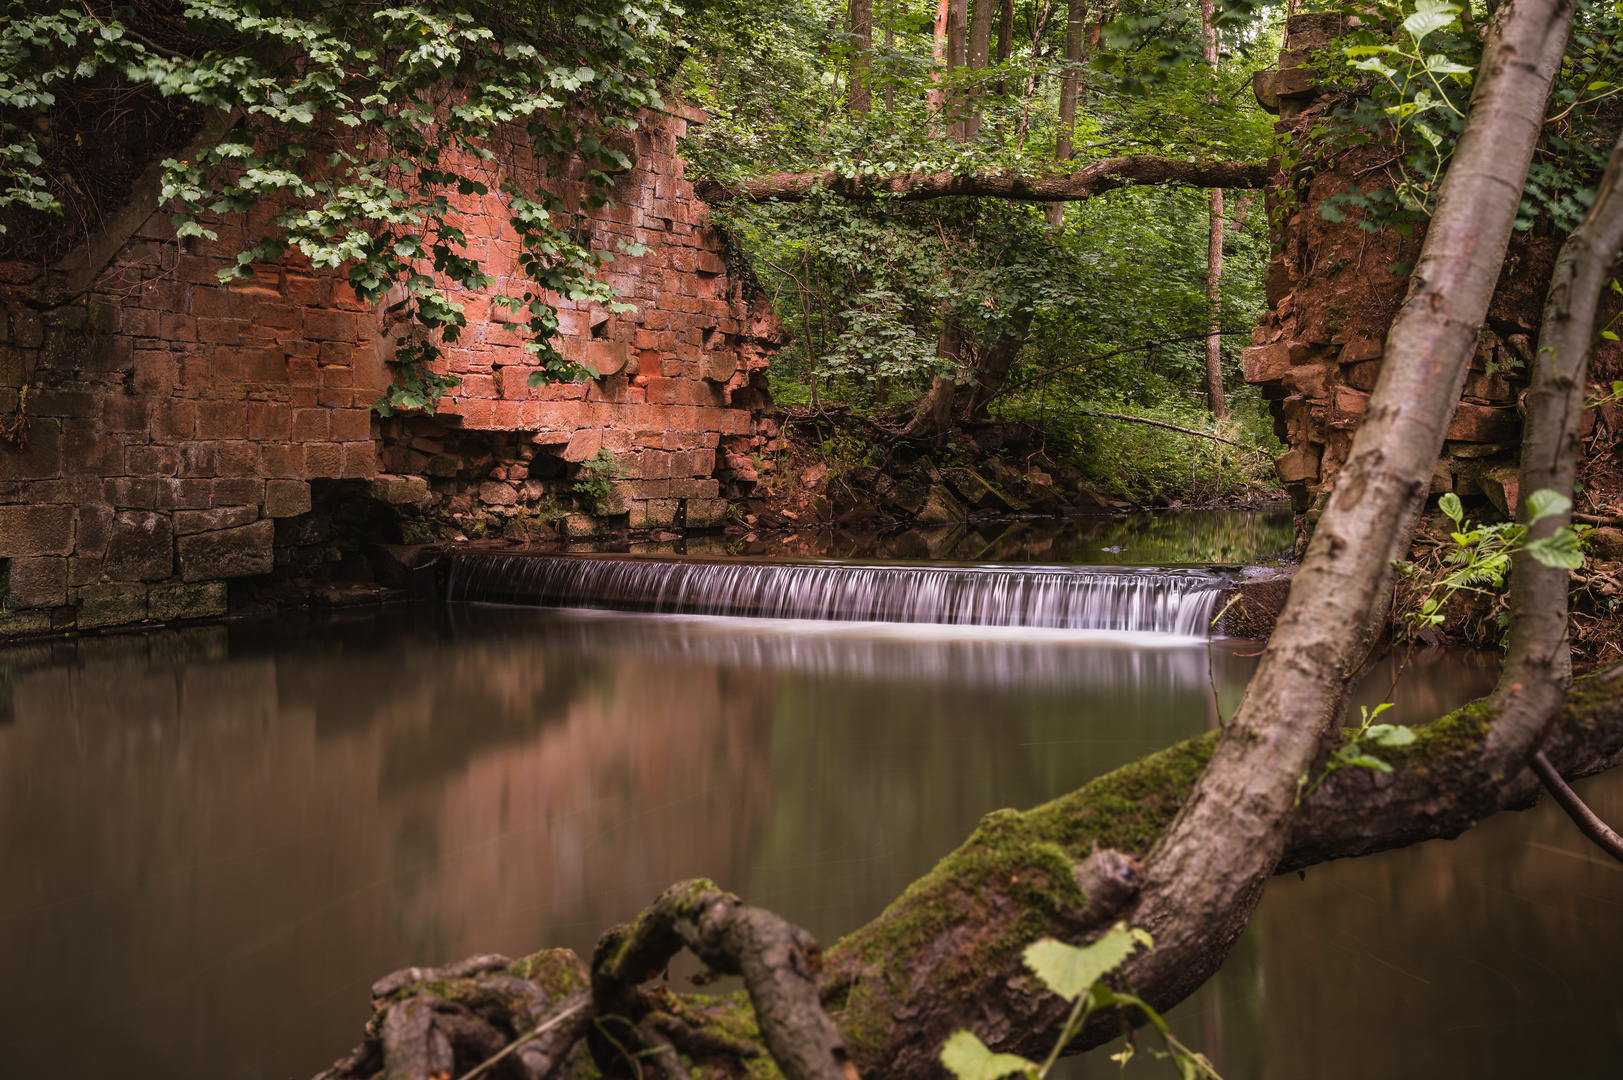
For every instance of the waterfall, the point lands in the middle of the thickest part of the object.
(1177, 602)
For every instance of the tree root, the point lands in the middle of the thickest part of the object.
(777, 960)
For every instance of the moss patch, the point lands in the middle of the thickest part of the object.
(1005, 886)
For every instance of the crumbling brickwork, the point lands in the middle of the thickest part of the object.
(1333, 290)
(160, 432)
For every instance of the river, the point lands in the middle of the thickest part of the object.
(212, 840)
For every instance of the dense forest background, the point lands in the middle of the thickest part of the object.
(1099, 307)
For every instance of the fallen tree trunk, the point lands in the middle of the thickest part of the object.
(1099, 177)
(1020, 876)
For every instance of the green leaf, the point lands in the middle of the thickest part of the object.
(1391, 734)
(1450, 504)
(1362, 760)
(1546, 503)
(1430, 16)
(1439, 64)
(967, 1058)
(1560, 551)
(1070, 970)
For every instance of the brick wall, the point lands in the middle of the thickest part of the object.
(175, 426)
(1333, 290)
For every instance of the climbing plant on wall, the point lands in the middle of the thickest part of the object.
(357, 127)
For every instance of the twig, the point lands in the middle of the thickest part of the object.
(1586, 819)
(540, 1029)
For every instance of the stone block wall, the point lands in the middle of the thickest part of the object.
(1333, 290)
(161, 433)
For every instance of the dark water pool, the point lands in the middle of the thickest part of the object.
(211, 841)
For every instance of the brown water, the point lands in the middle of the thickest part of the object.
(211, 841)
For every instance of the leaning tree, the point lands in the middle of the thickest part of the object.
(1180, 843)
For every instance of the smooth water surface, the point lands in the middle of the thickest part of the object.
(212, 841)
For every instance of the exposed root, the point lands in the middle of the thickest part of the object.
(776, 959)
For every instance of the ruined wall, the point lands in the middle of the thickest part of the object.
(166, 433)
(1333, 290)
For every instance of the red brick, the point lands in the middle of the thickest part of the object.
(351, 425)
(172, 327)
(238, 458)
(198, 459)
(151, 460)
(281, 459)
(184, 494)
(323, 459)
(237, 491)
(86, 452)
(1483, 424)
(311, 425)
(221, 331)
(302, 372)
(278, 316)
(243, 364)
(175, 419)
(360, 460)
(134, 492)
(337, 375)
(123, 412)
(138, 322)
(222, 420)
(36, 530)
(269, 420)
(200, 271)
(507, 415)
(286, 498)
(334, 397)
(327, 325)
(219, 304)
(664, 391)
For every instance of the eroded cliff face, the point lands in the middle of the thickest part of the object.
(168, 433)
(1334, 288)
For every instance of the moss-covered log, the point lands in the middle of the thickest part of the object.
(946, 953)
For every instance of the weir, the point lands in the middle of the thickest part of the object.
(1174, 602)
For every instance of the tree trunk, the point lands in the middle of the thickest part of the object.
(1214, 250)
(911, 975)
(936, 97)
(957, 41)
(1005, 39)
(1197, 893)
(859, 98)
(1075, 26)
(1538, 662)
(996, 360)
(980, 47)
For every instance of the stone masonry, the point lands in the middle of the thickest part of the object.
(1333, 290)
(161, 433)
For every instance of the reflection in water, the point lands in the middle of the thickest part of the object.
(213, 840)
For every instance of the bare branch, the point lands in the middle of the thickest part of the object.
(1585, 818)
(1101, 176)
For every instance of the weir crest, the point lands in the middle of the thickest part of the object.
(1174, 602)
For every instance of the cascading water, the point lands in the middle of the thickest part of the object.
(1174, 602)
